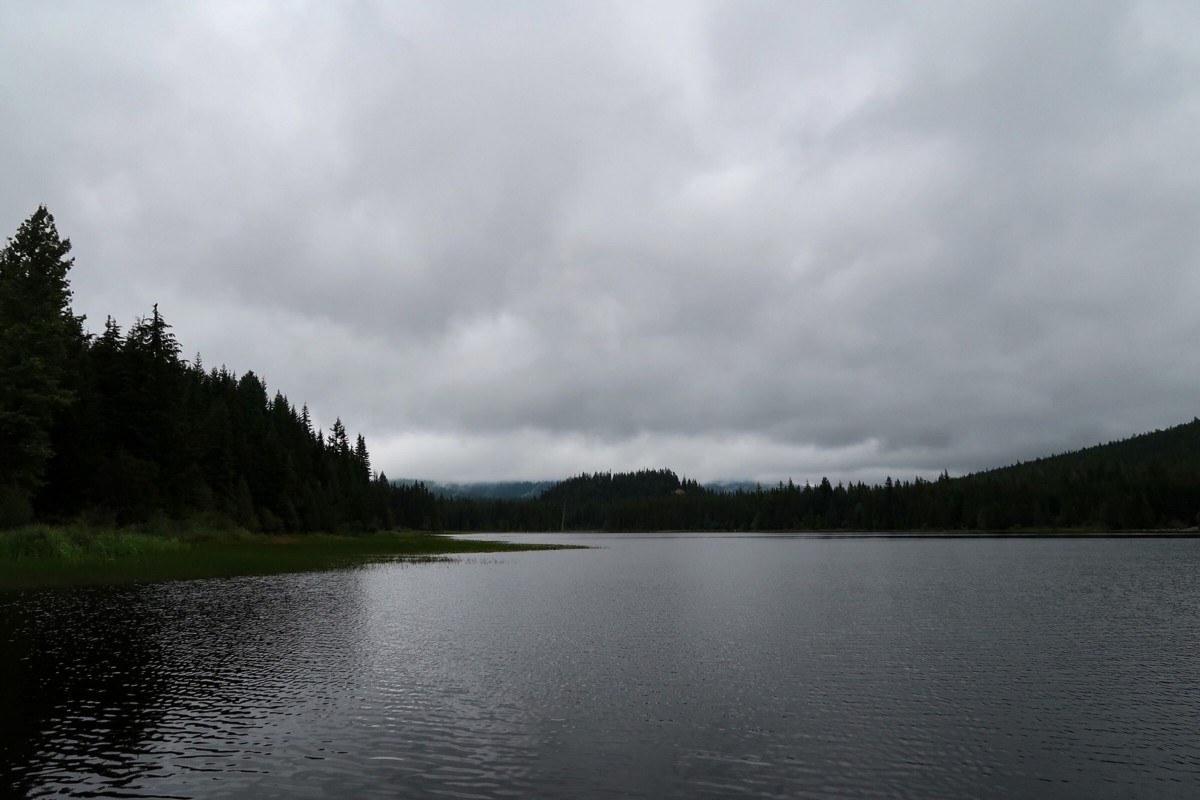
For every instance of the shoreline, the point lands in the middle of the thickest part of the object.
(43, 556)
(1181, 533)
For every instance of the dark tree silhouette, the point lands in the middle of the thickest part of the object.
(117, 428)
(39, 337)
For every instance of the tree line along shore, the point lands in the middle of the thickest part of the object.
(117, 431)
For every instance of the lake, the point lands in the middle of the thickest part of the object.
(652, 666)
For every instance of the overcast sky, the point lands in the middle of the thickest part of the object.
(741, 240)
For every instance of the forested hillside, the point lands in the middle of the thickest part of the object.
(1148, 481)
(500, 490)
(118, 428)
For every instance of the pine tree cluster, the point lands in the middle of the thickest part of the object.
(117, 428)
(1150, 481)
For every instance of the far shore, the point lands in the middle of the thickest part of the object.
(1189, 533)
(1027, 533)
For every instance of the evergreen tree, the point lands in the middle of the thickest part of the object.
(361, 455)
(38, 335)
(338, 440)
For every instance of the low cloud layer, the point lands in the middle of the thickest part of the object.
(742, 241)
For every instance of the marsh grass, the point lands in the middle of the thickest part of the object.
(42, 555)
(72, 544)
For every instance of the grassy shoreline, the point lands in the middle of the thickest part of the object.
(38, 556)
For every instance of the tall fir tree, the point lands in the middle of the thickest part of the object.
(38, 336)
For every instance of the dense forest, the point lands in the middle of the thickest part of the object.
(116, 428)
(1148, 481)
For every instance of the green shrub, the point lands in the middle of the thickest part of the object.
(39, 541)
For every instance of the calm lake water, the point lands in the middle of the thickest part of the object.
(653, 666)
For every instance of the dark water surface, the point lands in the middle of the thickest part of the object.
(656, 666)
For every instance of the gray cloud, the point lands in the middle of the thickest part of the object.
(740, 240)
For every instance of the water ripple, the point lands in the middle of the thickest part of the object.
(664, 667)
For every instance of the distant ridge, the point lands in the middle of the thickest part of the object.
(484, 490)
(1170, 449)
(1148, 482)
(531, 490)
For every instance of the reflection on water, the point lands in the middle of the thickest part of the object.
(654, 667)
(163, 687)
